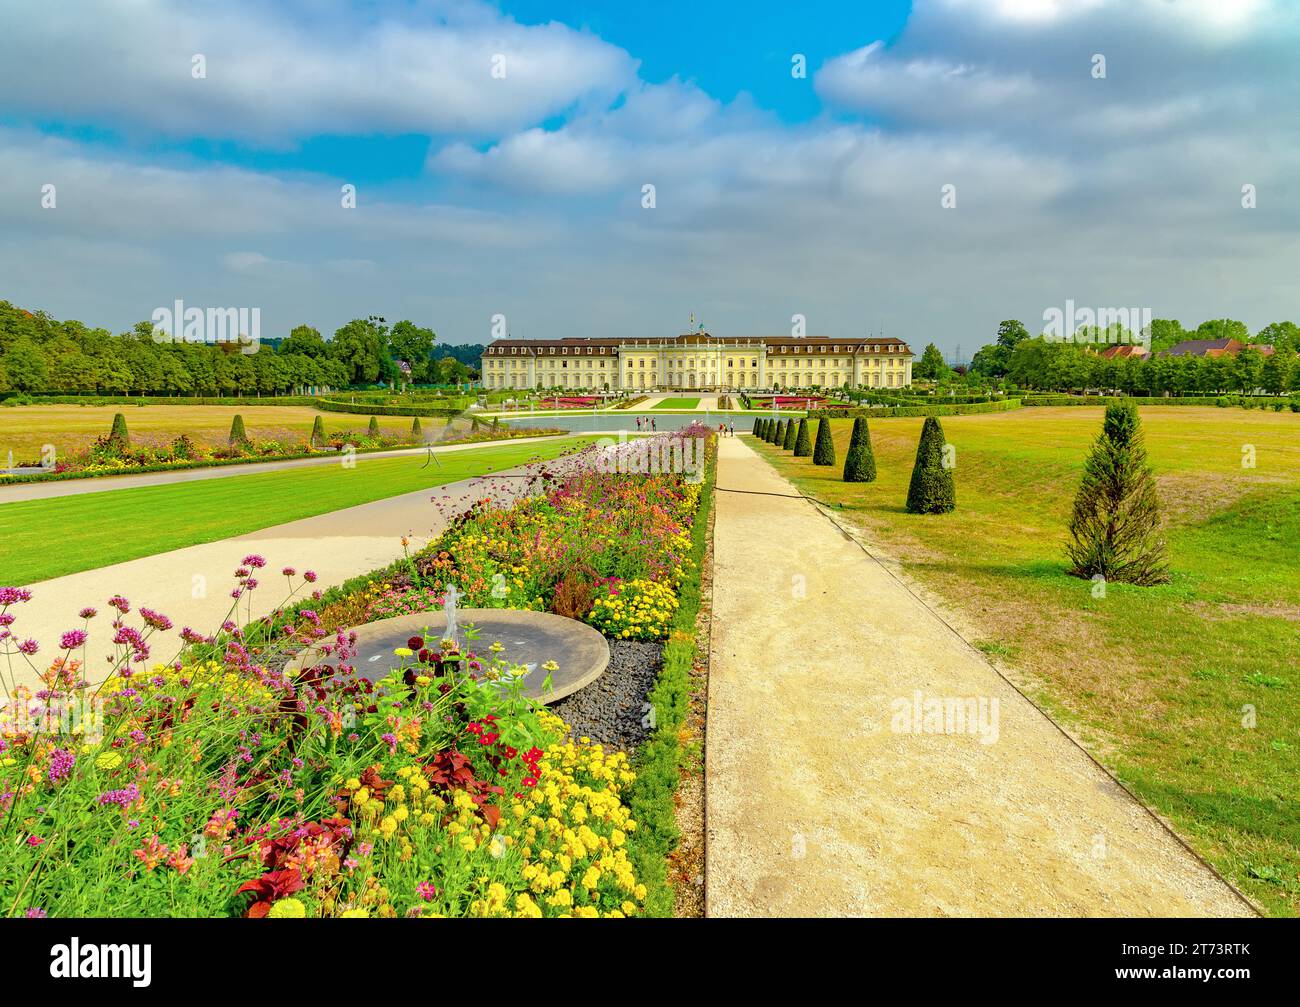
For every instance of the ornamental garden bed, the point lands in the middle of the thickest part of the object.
(216, 782)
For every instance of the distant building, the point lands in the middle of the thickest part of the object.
(697, 361)
(1206, 348)
(1124, 351)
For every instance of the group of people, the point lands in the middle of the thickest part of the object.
(726, 430)
(645, 423)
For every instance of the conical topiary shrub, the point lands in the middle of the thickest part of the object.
(318, 432)
(118, 436)
(238, 437)
(860, 462)
(802, 443)
(778, 432)
(759, 431)
(1115, 525)
(416, 433)
(931, 490)
(824, 449)
(789, 437)
(373, 430)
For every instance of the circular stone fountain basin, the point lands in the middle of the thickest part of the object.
(529, 638)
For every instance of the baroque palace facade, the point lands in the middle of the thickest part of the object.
(697, 361)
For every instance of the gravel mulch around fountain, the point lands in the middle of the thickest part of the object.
(612, 710)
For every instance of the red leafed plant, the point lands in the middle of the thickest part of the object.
(452, 770)
(268, 888)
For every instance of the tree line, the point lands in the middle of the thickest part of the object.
(39, 354)
(1044, 364)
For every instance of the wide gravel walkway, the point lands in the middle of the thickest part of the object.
(820, 799)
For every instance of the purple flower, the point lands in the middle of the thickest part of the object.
(13, 595)
(29, 647)
(155, 619)
(255, 561)
(35, 913)
(119, 603)
(61, 763)
(72, 639)
(289, 571)
(122, 798)
(309, 576)
(88, 613)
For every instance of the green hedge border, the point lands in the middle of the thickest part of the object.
(371, 409)
(938, 409)
(658, 762)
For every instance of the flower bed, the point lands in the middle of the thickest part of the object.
(214, 784)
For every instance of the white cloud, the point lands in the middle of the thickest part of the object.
(275, 73)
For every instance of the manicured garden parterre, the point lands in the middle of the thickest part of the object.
(97, 529)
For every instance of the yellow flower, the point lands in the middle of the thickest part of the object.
(287, 909)
(109, 760)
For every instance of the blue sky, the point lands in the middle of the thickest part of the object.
(522, 194)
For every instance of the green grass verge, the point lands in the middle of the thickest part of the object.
(658, 762)
(1189, 692)
(676, 404)
(62, 535)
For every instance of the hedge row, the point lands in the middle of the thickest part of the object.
(937, 409)
(159, 400)
(371, 409)
(1151, 400)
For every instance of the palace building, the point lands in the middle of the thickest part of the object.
(697, 361)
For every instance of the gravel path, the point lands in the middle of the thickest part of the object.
(612, 710)
(826, 796)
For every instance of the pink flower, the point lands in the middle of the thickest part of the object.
(255, 561)
(61, 763)
(427, 890)
(155, 619)
(72, 639)
(13, 595)
(119, 603)
(29, 647)
(309, 576)
(34, 840)
(88, 613)
(289, 571)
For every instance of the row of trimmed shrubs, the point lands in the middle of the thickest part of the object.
(931, 490)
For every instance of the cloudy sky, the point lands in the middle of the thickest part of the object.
(1097, 151)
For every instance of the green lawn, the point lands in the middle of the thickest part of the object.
(62, 535)
(1160, 683)
(677, 404)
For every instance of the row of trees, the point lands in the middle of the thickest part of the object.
(40, 354)
(1052, 365)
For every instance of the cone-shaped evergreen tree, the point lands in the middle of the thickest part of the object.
(1115, 526)
(760, 429)
(318, 432)
(238, 438)
(932, 490)
(802, 443)
(787, 435)
(374, 427)
(824, 449)
(118, 437)
(778, 432)
(860, 462)
(416, 433)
